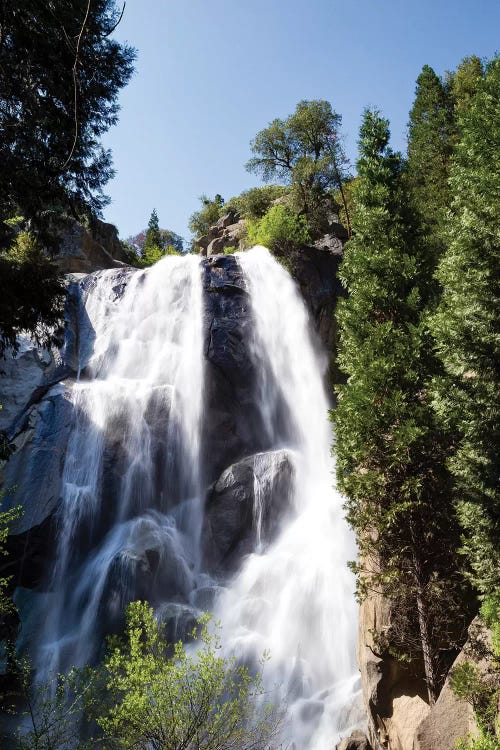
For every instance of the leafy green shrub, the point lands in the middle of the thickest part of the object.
(482, 742)
(230, 250)
(209, 213)
(186, 700)
(253, 203)
(279, 229)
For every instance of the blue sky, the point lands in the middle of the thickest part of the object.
(212, 73)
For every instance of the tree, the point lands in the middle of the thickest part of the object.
(32, 294)
(60, 75)
(305, 151)
(467, 331)
(153, 235)
(391, 454)
(182, 699)
(431, 134)
(210, 212)
(464, 83)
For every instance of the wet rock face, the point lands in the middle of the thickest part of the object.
(232, 427)
(244, 507)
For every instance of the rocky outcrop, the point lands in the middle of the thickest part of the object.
(315, 267)
(227, 232)
(399, 715)
(83, 250)
(244, 507)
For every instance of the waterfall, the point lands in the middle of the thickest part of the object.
(130, 515)
(133, 517)
(296, 598)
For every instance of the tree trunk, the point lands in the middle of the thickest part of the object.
(423, 624)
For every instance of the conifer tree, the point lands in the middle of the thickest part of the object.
(153, 233)
(430, 142)
(391, 456)
(467, 329)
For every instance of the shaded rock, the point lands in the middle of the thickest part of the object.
(245, 505)
(179, 620)
(356, 741)
(232, 426)
(32, 476)
(394, 694)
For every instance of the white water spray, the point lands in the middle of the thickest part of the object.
(131, 479)
(296, 599)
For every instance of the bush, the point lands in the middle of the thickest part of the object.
(279, 230)
(253, 203)
(190, 699)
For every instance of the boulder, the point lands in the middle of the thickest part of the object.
(245, 506)
(83, 250)
(452, 718)
(356, 741)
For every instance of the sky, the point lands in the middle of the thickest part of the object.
(211, 73)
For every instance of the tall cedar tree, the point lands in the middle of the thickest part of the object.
(467, 330)
(431, 132)
(391, 456)
(60, 75)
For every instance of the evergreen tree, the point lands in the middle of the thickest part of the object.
(153, 233)
(391, 456)
(467, 329)
(60, 75)
(463, 84)
(430, 142)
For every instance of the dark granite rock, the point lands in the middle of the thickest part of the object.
(248, 500)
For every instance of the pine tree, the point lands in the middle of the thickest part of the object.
(153, 233)
(467, 330)
(431, 132)
(391, 456)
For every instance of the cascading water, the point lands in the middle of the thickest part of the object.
(295, 599)
(132, 520)
(131, 504)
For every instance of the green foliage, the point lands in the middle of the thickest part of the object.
(230, 250)
(464, 83)
(279, 229)
(483, 742)
(7, 517)
(190, 699)
(60, 75)
(391, 456)
(153, 235)
(467, 398)
(210, 212)
(431, 132)
(51, 717)
(306, 152)
(254, 203)
(32, 294)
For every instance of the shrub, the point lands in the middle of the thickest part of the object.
(279, 229)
